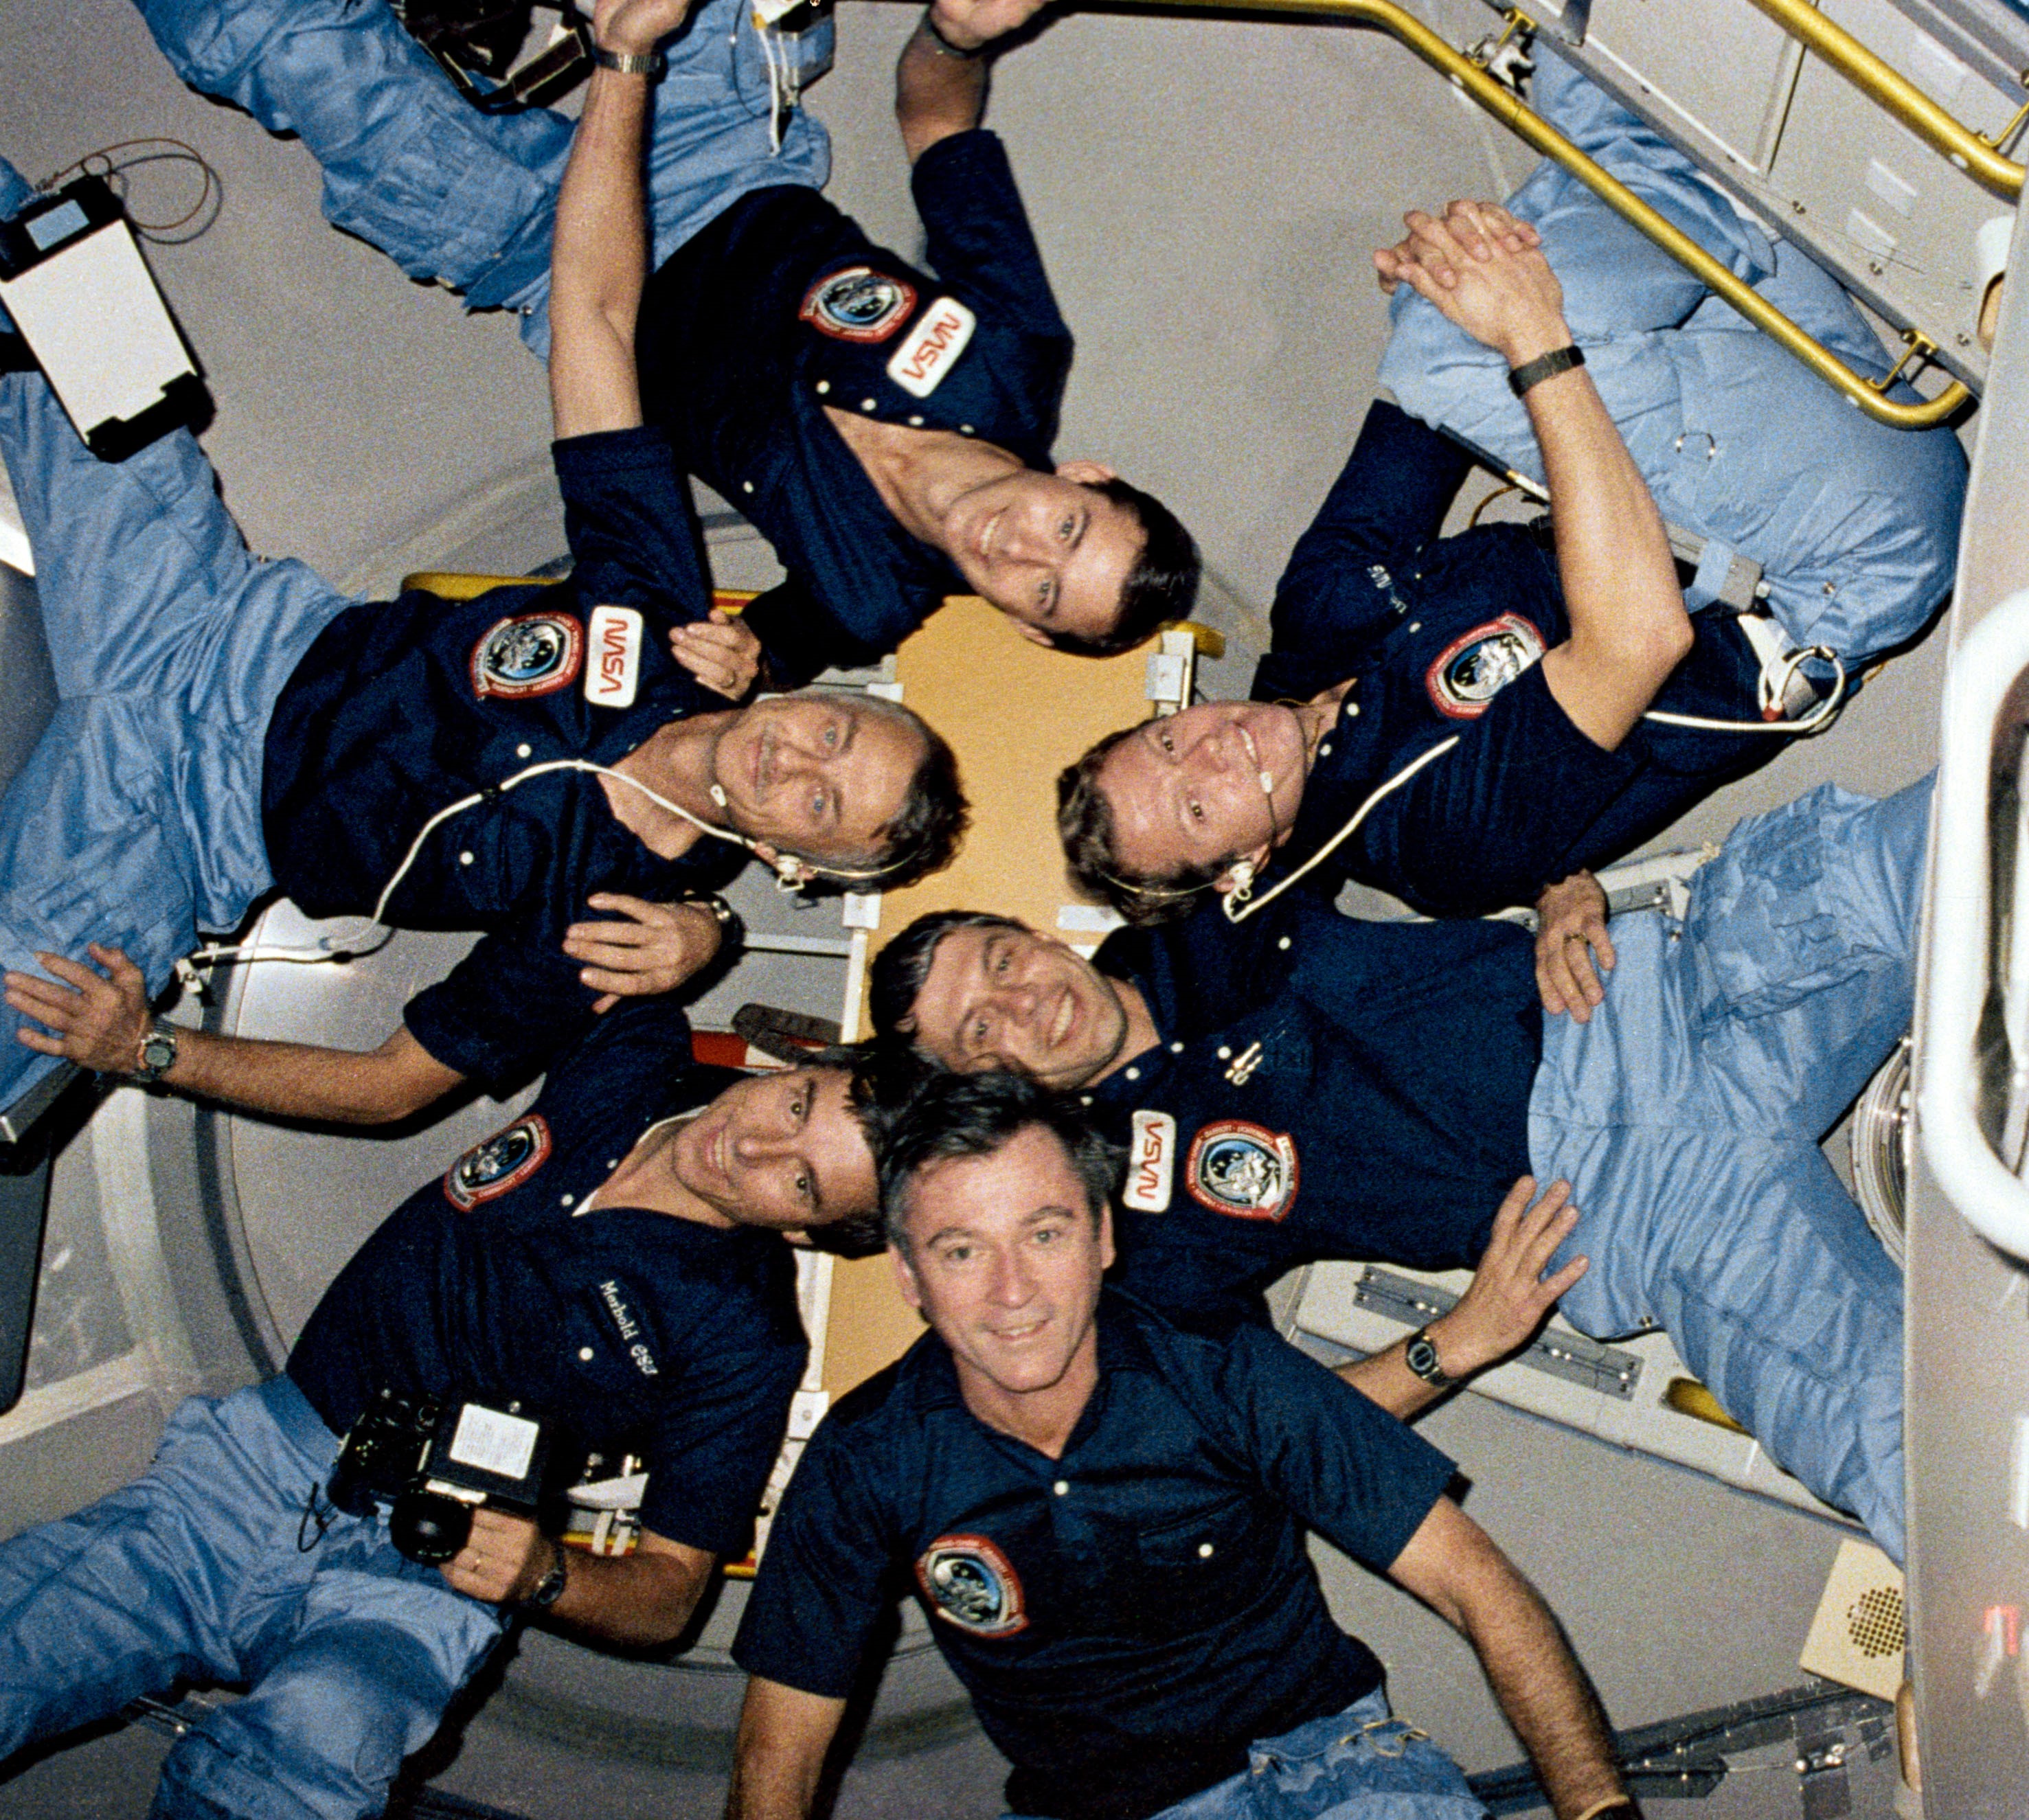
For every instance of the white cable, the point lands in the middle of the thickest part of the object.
(1775, 685)
(1238, 907)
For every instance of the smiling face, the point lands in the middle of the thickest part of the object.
(1005, 997)
(1046, 549)
(1004, 1259)
(1186, 791)
(820, 773)
(782, 1150)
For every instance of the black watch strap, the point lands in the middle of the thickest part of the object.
(550, 1588)
(1421, 1356)
(1533, 373)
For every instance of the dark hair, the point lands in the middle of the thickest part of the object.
(1085, 824)
(923, 835)
(900, 969)
(960, 1115)
(880, 1078)
(1162, 585)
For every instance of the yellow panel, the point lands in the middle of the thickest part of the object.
(1016, 713)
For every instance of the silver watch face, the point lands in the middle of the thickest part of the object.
(1422, 1358)
(158, 1051)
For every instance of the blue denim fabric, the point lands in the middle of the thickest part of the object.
(1687, 1115)
(136, 820)
(194, 1571)
(1360, 1764)
(469, 199)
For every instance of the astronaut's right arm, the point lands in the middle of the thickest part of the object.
(99, 1019)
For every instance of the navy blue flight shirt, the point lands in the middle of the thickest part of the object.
(402, 707)
(620, 1328)
(782, 306)
(1128, 1617)
(1324, 1087)
(1444, 637)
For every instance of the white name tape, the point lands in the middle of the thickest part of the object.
(612, 662)
(932, 350)
(1152, 1162)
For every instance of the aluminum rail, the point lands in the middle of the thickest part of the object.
(1986, 672)
(1890, 90)
(1471, 80)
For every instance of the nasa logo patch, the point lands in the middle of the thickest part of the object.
(532, 653)
(610, 678)
(921, 362)
(969, 1583)
(858, 304)
(1152, 1163)
(1470, 671)
(1242, 1169)
(504, 1161)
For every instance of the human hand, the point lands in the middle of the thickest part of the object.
(503, 1561)
(1485, 271)
(98, 1019)
(1570, 941)
(636, 27)
(654, 949)
(720, 652)
(971, 24)
(1509, 1298)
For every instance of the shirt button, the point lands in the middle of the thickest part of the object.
(1061, 1486)
(1176, 1048)
(1324, 751)
(965, 429)
(1351, 708)
(1134, 1074)
(523, 751)
(568, 1199)
(612, 1162)
(915, 422)
(1416, 625)
(584, 1352)
(464, 858)
(1224, 1053)
(746, 486)
(1205, 1551)
(1284, 942)
(823, 385)
(1084, 1099)
(868, 404)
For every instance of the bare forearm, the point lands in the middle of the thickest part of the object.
(937, 94)
(785, 1734)
(1385, 1378)
(636, 1601)
(299, 1080)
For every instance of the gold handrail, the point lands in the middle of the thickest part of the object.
(1471, 80)
(1889, 89)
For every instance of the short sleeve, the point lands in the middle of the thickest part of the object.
(1348, 1468)
(503, 1012)
(800, 638)
(628, 515)
(710, 1455)
(977, 232)
(824, 1581)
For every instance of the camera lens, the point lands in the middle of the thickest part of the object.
(428, 1527)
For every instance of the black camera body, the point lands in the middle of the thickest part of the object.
(433, 1464)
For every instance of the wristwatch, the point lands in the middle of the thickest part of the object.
(157, 1055)
(1533, 373)
(550, 1588)
(1422, 1358)
(651, 63)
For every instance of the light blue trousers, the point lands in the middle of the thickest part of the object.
(450, 194)
(1687, 1115)
(197, 1571)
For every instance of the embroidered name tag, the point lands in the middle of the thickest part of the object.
(615, 668)
(531, 653)
(933, 349)
(1152, 1163)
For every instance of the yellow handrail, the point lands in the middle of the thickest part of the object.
(1973, 153)
(1470, 79)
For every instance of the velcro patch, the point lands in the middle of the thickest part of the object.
(932, 350)
(501, 1163)
(610, 677)
(858, 304)
(531, 653)
(1152, 1163)
(1243, 1169)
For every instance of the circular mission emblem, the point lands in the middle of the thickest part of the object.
(1470, 671)
(858, 304)
(969, 1583)
(532, 653)
(1242, 1169)
(504, 1161)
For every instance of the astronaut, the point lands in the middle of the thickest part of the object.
(646, 1306)
(1463, 721)
(512, 763)
(888, 431)
(1104, 1518)
(1390, 1079)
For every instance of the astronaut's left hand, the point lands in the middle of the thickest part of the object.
(98, 1020)
(502, 1560)
(720, 652)
(654, 948)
